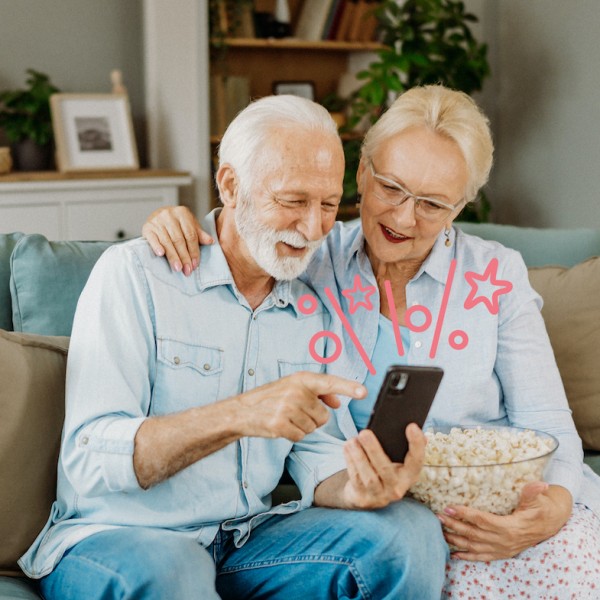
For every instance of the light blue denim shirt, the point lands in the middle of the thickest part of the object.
(506, 375)
(147, 341)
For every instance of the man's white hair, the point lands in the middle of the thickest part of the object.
(249, 132)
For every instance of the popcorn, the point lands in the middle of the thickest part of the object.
(485, 468)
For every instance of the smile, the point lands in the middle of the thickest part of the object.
(392, 236)
(292, 250)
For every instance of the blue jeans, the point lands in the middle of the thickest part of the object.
(319, 553)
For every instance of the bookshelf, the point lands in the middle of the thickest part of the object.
(265, 61)
(295, 44)
(259, 63)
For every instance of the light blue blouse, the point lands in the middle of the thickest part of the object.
(505, 375)
(385, 354)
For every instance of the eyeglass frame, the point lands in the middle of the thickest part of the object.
(407, 194)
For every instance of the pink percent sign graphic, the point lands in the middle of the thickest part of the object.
(458, 339)
(457, 334)
(307, 304)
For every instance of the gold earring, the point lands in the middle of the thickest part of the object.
(447, 242)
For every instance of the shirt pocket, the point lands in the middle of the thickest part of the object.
(288, 368)
(187, 375)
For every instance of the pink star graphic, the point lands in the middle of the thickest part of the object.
(490, 274)
(367, 291)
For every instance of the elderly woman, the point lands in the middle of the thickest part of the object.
(425, 158)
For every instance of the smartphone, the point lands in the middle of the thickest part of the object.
(405, 396)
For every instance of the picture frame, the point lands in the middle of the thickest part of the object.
(93, 132)
(304, 89)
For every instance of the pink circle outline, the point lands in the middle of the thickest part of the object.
(458, 333)
(321, 359)
(307, 299)
(409, 313)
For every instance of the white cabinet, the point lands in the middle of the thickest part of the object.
(102, 207)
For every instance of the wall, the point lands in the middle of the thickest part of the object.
(543, 98)
(176, 86)
(544, 103)
(77, 43)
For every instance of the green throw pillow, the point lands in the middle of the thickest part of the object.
(46, 281)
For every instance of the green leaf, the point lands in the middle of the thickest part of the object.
(425, 41)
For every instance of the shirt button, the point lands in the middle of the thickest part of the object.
(418, 344)
(250, 371)
(206, 367)
(245, 484)
(177, 360)
(84, 440)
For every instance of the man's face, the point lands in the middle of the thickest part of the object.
(293, 203)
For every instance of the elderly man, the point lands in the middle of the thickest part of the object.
(187, 397)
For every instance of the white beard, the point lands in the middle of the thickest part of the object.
(262, 242)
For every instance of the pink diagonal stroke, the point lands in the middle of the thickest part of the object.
(394, 316)
(348, 328)
(442, 313)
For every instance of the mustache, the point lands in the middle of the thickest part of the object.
(295, 239)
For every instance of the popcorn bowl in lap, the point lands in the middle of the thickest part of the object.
(482, 467)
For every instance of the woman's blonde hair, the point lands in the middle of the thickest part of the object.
(446, 112)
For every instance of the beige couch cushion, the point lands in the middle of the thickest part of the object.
(32, 376)
(572, 315)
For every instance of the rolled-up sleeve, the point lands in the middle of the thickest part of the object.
(316, 458)
(110, 372)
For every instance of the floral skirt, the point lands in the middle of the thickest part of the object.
(566, 566)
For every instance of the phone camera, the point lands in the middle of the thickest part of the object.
(400, 380)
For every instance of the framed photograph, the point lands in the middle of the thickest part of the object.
(93, 132)
(304, 89)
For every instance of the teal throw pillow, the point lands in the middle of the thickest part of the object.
(541, 246)
(46, 281)
(7, 243)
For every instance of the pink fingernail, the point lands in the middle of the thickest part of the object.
(195, 263)
(450, 511)
(177, 266)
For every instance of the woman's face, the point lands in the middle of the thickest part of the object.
(424, 163)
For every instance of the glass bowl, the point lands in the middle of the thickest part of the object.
(482, 467)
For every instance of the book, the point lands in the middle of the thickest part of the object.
(237, 96)
(228, 96)
(371, 23)
(346, 20)
(331, 17)
(221, 23)
(358, 21)
(218, 120)
(312, 20)
(242, 22)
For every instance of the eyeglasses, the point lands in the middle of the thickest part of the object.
(391, 192)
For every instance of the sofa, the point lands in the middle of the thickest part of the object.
(40, 282)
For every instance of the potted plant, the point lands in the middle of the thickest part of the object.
(25, 118)
(337, 106)
(424, 42)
